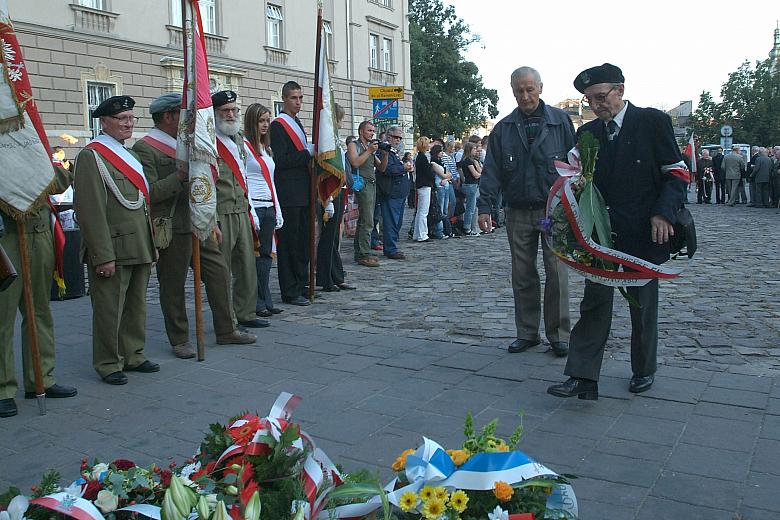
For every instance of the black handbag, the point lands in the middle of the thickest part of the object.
(684, 234)
(434, 211)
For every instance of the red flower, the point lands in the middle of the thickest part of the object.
(235, 513)
(244, 433)
(123, 464)
(165, 478)
(204, 471)
(246, 470)
(247, 492)
(91, 489)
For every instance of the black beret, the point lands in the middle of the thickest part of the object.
(223, 98)
(606, 73)
(114, 105)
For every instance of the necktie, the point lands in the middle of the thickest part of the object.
(612, 129)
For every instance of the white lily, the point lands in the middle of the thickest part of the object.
(498, 514)
(16, 508)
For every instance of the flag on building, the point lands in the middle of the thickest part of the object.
(329, 158)
(25, 165)
(690, 151)
(196, 139)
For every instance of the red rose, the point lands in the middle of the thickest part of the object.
(165, 478)
(123, 464)
(91, 489)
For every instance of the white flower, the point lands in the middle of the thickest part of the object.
(98, 470)
(16, 508)
(189, 469)
(106, 501)
(498, 514)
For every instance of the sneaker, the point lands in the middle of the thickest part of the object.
(472, 234)
(183, 350)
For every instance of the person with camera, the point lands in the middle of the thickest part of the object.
(361, 154)
(392, 189)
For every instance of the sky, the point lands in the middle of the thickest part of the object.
(669, 51)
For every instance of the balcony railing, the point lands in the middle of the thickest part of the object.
(215, 44)
(381, 77)
(275, 56)
(86, 19)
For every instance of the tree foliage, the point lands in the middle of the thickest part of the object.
(750, 103)
(449, 95)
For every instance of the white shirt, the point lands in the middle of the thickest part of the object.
(618, 119)
(261, 192)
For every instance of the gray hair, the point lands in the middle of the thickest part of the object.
(393, 129)
(525, 71)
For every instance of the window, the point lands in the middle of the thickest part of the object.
(94, 4)
(208, 15)
(176, 13)
(387, 54)
(274, 17)
(386, 3)
(96, 94)
(278, 107)
(328, 29)
(373, 43)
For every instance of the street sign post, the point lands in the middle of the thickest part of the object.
(385, 92)
(385, 108)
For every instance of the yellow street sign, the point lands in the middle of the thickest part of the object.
(385, 92)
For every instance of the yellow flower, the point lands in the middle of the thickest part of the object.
(427, 493)
(503, 491)
(433, 509)
(502, 448)
(400, 462)
(441, 494)
(409, 501)
(458, 501)
(459, 456)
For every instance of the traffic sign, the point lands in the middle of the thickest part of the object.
(385, 108)
(385, 92)
(726, 131)
(726, 142)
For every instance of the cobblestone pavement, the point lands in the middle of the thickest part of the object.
(420, 343)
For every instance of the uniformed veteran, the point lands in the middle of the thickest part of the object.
(169, 193)
(111, 202)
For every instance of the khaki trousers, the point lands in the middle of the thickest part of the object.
(118, 317)
(41, 254)
(524, 233)
(238, 250)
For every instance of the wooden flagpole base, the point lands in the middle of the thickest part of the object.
(198, 298)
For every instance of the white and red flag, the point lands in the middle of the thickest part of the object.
(25, 164)
(197, 140)
(690, 151)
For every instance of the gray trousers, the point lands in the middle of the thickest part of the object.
(523, 232)
(590, 334)
(366, 199)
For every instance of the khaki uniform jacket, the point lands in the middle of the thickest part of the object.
(733, 166)
(165, 189)
(110, 232)
(231, 197)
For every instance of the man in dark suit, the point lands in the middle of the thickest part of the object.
(720, 179)
(643, 180)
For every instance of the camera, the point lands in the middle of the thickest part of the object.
(385, 147)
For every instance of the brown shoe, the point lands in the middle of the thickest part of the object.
(368, 261)
(183, 351)
(236, 337)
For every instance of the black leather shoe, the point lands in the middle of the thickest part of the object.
(346, 287)
(331, 288)
(300, 301)
(8, 408)
(264, 313)
(275, 310)
(521, 345)
(582, 388)
(641, 383)
(116, 378)
(255, 324)
(55, 391)
(560, 348)
(147, 367)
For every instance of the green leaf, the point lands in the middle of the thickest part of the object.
(586, 210)
(601, 218)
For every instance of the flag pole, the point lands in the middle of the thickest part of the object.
(312, 167)
(32, 327)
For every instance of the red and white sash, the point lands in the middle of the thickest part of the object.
(228, 152)
(161, 141)
(121, 159)
(255, 157)
(294, 130)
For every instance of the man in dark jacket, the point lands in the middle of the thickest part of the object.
(762, 172)
(720, 179)
(704, 178)
(643, 180)
(519, 163)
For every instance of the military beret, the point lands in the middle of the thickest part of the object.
(114, 105)
(223, 98)
(165, 103)
(606, 73)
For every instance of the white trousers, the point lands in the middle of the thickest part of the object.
(421, 217)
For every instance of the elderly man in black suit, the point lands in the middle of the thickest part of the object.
(643, 180)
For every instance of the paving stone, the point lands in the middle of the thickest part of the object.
(741, 382)
(709, 462)
(761, 492)
(725, 411)
(465, 361)
(603, 511)
(556, 450)
(735, 397)
(661, 408)
(766, 458)
(721, 433)
(658, 508)
(771, 428)
(647, 429)
(585, 425)
(459, 402)
(698, 490)
(606, 492)
(623, 470)
(634, 449)
(673, 389)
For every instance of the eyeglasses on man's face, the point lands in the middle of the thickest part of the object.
(598, 98)
(126, 120)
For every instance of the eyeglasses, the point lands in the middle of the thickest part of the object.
(396, 136)
(234, 111)
(125, 120)
(598, 98)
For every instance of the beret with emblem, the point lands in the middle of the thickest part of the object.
(114, 105)
(165, 103)
(606, 73)
(223, 98)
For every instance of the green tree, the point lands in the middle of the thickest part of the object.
(705, 121)
(449, 95)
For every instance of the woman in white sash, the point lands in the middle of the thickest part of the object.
(260, 182)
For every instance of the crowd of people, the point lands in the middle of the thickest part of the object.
(735, 179)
